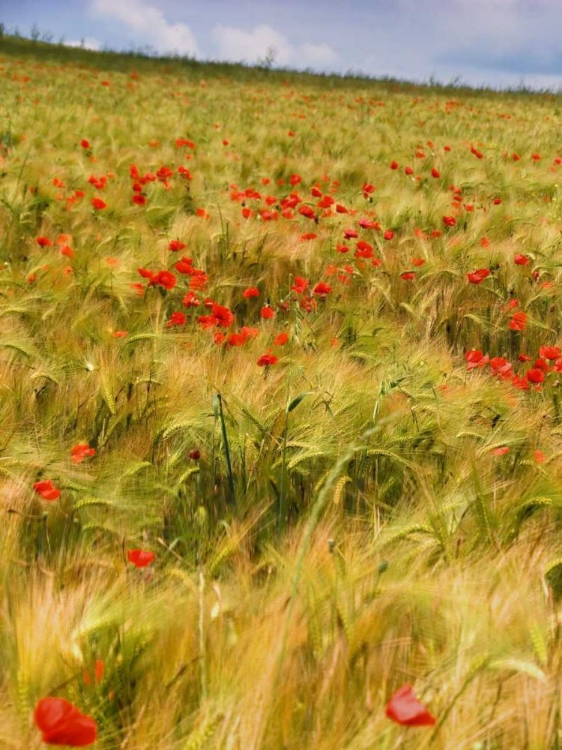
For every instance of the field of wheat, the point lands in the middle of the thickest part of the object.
(280, 425)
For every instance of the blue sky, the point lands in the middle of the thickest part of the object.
(490, 42)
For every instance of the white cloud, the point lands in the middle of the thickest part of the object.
(149, 25)
(86, 43)
(319, 54)
(255, 45)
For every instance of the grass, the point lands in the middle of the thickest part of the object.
(326, 527)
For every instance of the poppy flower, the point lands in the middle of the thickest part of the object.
(119, 334)
(539, 457)
(409, 171)
(47, 490)
(475, 358)
(164, 279)
(236, 339)
(176, 319)
(44, 241)
(518, 322)
(266, 360)
(85, 143)
(535, 375)
(449, 221)
(99, 669)
(321, 289)
(394, 165)
(404, 708)
(267, 313)
(389, 234)
(521, 260)
(503, 451)
(81, 451)
(191, 300)
(408, 275)
(139, 199)
(140, 558)
(62, 723)
(281, 339)
(307, 211)
(251, 291)
(435, 173)
(194, 454)
(550, 352)
(300, 285)
(176, 245)
(418, 262)
(223, 316)
(98, 204)
(478, 276)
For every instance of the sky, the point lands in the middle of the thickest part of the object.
(497, 43)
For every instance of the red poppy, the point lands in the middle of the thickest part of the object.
(266, 360)
(251, 291)
(139, 199)
(164, 279)
(62, 723)
(281, 339)
(409, 171)
(307, 211)
(478, 276)
(408, 275)
(176, 245)
(249, 332)
(475, 358)
(418, 262)
(191, 300)
(518, 322)
(321, 289)
(184, 266)
(267, 313)
(503, 451)
(497, 201)
(99, 668)
(539, 457)
(140, 558)
(176, 319)
(521, 260)
(98, 204)
(300, 285)
(84, 143)
(236, 339)
(44, 242)
(223, 316)
(194, 454)
(449, 221)
(535, 375)
(389, 234)
(47, 490)
(550, 352)
(404, 708)
(81, 451)
(435, 173)
(394, 165)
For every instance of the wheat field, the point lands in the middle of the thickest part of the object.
(312, 451)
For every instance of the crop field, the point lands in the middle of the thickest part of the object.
(280, 423)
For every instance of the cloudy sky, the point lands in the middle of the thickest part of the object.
(491, 42)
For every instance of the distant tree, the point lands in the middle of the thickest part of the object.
(34, 33)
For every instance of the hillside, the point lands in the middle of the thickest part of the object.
(280, 362)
